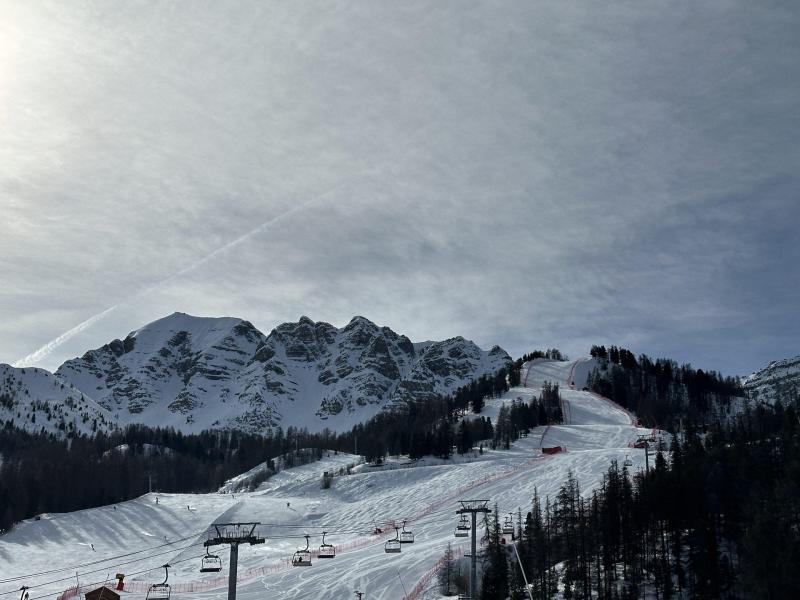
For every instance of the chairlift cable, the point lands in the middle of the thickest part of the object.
(102, 560)
(105, 568)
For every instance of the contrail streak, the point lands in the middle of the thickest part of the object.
(45, 350)
(50, 346)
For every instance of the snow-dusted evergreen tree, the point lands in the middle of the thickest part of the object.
(448, 572)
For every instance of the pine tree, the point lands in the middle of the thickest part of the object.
(494, 583)
(447, 574)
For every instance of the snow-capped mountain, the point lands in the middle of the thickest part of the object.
(35, 400)
(780, 380)
(195, 373)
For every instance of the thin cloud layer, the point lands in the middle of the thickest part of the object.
(541, 174)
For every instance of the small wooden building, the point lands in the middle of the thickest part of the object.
(102, 593)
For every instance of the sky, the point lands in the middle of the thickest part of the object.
(528, 174)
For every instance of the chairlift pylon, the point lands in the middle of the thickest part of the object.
(302, 558)
(160, 591)
(406, 537)
(393, 546)
(326, 550)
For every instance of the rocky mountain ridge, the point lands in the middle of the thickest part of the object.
(780, 380)
(194, 373)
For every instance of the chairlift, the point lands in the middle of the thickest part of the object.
(160, 591)
(210, 563)
(406, 537)
(627, 462)
(302, 558)
(463, 527)
(393, 546)
(326, 550)
(508, 525)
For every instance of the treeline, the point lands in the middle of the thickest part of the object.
(517, 418)
(551, 353)
(437, 427)
(717, 519)
(41, 473)
(472, 396)
(661, 392)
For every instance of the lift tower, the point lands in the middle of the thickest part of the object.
(473, 507)
(233, 534)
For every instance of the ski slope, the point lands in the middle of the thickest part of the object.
(292, 504)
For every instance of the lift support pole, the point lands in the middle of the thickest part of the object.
(234, 534)
(233, 569)
(474, 507)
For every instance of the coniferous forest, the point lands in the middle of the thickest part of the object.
(715, 518)
(661, 392)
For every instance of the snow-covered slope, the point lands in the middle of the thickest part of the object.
(195, 373)
(35, 400)
(780, 380)
(292, 504)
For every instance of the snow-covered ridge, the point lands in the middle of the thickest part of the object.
(195, 373)
(35, 400)
(780, 380)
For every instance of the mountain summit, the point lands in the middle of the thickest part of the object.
(195, 373)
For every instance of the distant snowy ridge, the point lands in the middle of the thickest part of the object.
(780, 380)
(36, 400)
(195, 373)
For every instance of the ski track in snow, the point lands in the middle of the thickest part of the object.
(597, 433)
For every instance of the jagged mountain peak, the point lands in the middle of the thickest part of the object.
(194, 373)
(359, 321)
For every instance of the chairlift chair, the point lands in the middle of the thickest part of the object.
(508, 525)
(210, 563)
(393, 546)
(160, 591)
(627, 462)
(463, 527)
(302, 558)
(326, 550)
(406, 537)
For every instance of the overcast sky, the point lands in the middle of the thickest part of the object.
(529, 173)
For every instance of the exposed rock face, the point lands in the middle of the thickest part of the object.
(194, 373)
(780, 380)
